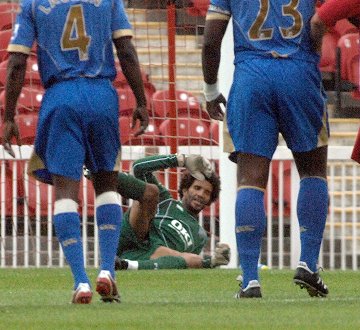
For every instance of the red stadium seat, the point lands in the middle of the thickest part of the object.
(328, 52)
(90, 195)
(8, 7)
(27, 124)
(189, 131)
(343, 27)
(127, 101)
(9, 177)
(7, 20)
(214, 132)
(43, 202)
(120, 80)
(186, 105)
(286, 188)
(349, 60)
(32, 76)
(198, 8)
(151, 137)
(8, 194)
(4, 42)
(29, 99)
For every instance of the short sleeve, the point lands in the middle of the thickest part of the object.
(219, 9)
(120, 24)
(23, 35)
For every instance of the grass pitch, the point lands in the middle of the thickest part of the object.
(177, 299)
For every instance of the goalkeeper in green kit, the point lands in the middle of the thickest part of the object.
(159, 232)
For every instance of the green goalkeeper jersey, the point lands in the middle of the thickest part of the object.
(173, 226)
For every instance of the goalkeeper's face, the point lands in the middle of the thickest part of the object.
(197, 196)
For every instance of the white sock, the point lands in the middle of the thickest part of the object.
(132, 264)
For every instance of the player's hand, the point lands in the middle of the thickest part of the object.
(198, 166)
(214, 108)
(10, 130)
(222, 255)
(141, 114)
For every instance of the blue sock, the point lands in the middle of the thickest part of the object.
(108, 218)
(67, 229)
(250, 226)
(312, 208)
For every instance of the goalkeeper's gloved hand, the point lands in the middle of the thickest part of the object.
(221, 256)
(198, 166)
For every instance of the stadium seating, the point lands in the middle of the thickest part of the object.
(186, 105)
(29, 99)
(151, 137)
(214, 132)
(127, 101)
(9, 187)
(189, 131)
(343, 27)
(90, 196)
(349, 60)
(43, 202)
(286, 202)
(27, 124)
(7, 20)
(32, 76)
(121, 82)
(198, 8)
(4, 41)
(328, 58)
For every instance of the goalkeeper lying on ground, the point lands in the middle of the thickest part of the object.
(171, 238)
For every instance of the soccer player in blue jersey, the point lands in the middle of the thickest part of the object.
(78, 120)
(276, 88)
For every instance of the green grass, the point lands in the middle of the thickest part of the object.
(183, 299)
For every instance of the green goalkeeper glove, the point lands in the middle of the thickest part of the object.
(198, 166)
(221, 256)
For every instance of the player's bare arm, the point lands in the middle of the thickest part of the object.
(15, 79)
(131, 68)
(211, 54)
(318, 29)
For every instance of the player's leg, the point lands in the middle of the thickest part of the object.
(102, 158)
(252, 124)
(304, 125)
(166, 258)
(59, 146)
(67, 229)
(165, 262)
(108, 217)
(312, 209)
(144, 207)
(250, 215)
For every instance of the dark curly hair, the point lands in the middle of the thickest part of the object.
(187, 180)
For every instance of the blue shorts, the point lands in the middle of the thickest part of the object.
(78, 125)
(272, 96)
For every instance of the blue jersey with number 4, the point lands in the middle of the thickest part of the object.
(277, 28)
(74, 38)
